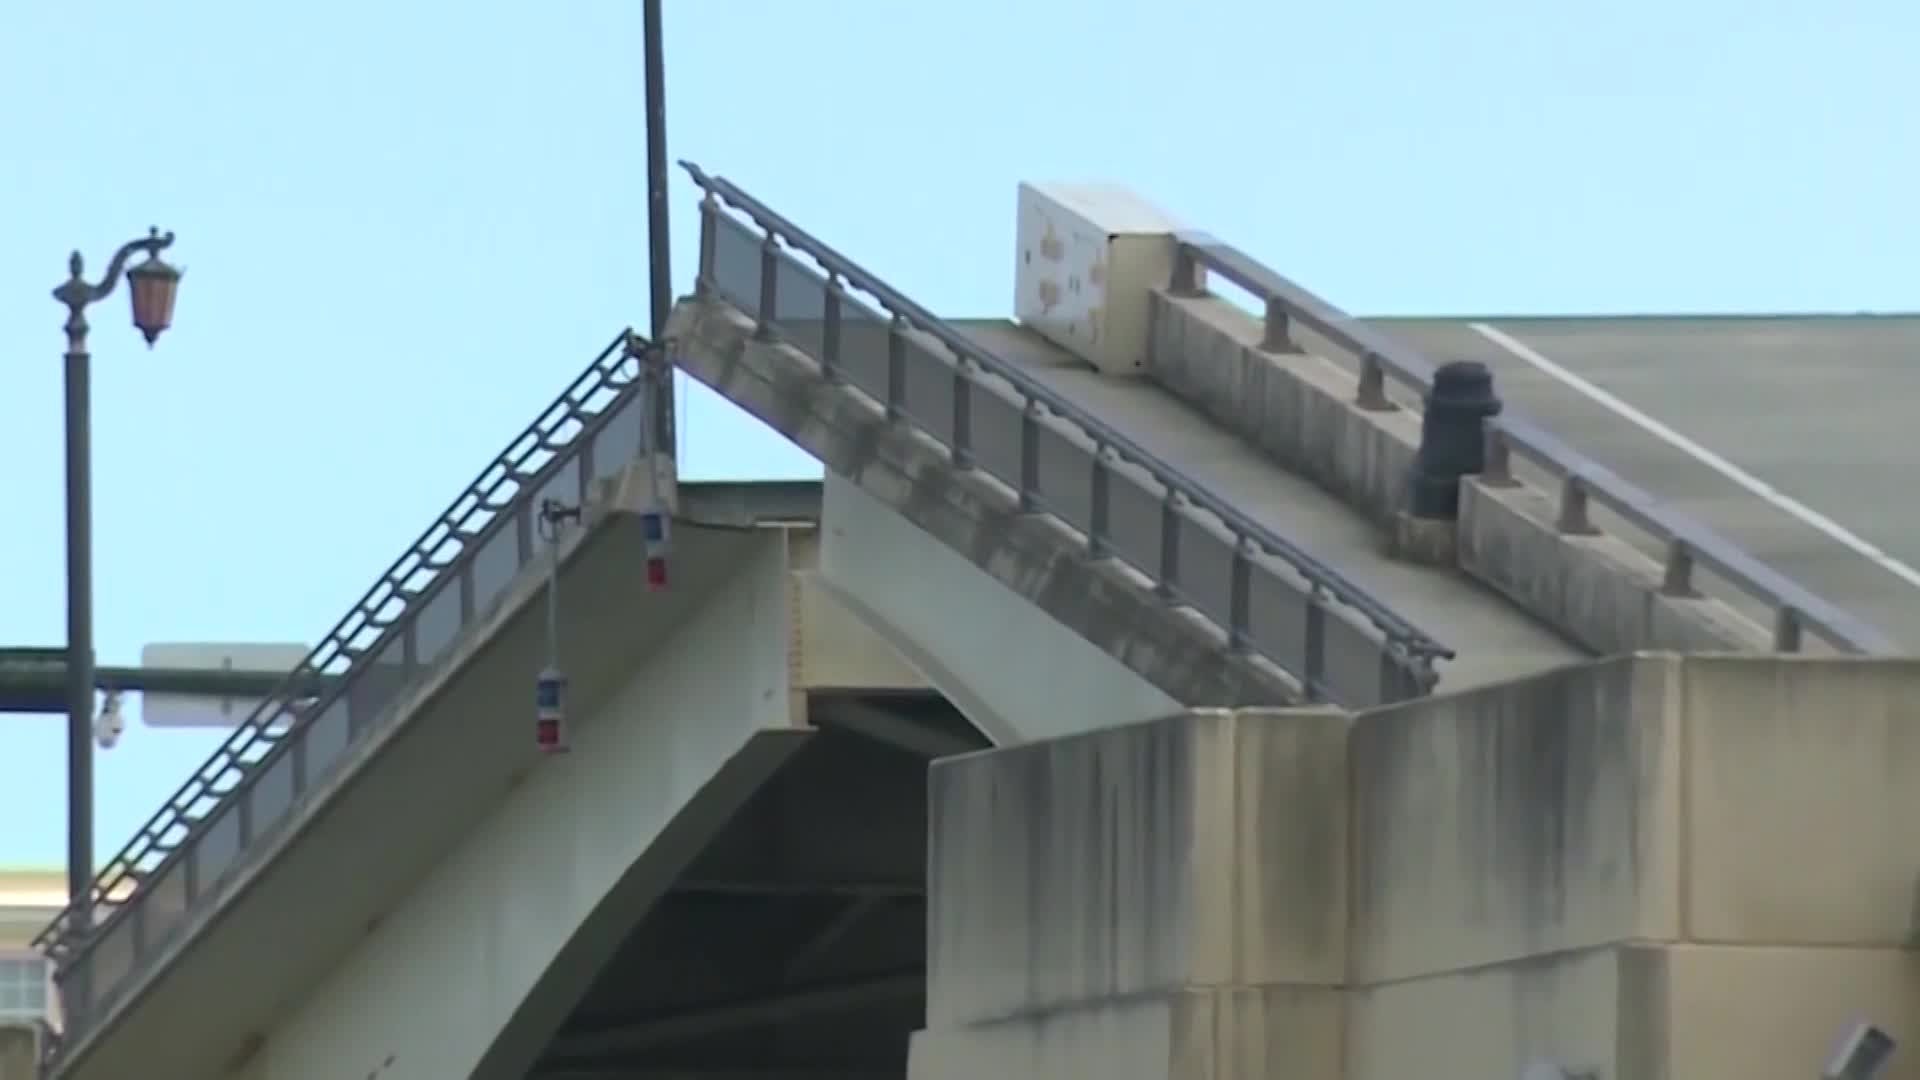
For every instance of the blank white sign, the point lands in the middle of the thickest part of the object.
(198, 711)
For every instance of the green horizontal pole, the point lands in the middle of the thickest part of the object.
(33, 680)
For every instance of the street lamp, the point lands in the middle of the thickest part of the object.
(153, 285)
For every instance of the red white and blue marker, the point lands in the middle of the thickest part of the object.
(657, 533)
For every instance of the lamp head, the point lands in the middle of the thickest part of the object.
(154, 285)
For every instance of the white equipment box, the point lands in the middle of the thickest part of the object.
(1089, 255)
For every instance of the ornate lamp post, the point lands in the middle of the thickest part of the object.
(153, 285)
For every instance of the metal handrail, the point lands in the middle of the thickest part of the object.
(1688, 542)
(560, 437)
(1402, 633)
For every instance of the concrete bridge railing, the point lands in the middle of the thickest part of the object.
(1583, 485)
(1269, 598)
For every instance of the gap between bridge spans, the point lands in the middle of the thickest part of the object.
(1748, 482)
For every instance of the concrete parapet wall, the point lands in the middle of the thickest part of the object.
(1204, 850)
(1597, 588)
(1651, 866)
(1756, 800)
(1299, 409)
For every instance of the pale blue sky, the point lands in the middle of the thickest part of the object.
(407, 225)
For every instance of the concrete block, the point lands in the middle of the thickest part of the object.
(1801, 801)
(1272, 1033)
(1089, 256)
(1493, 1021)
(1769, 1012)
(1532, 817)
(1637, 1011)
(1205, 849)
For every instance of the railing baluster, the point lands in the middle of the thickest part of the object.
(1371, 394)
(1498, 468)
(1030, 457)
(709, 239)
(962, 449)
(1188, 274)
(1678, 579)
(830, 331)
(1277, 336)
(897, 367)
(769, 287)
(244, 811)
(1169, 584)
(1394, 682)
(298, 738)
(1786, 629)
(1099, 504)
(1314, 676)
(1239, 598)
(1574, 519)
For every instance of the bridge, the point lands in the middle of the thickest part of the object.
(1246, 763)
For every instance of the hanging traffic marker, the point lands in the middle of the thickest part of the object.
(654, 526)
(550, 689)
(550, 712)
(655, 531)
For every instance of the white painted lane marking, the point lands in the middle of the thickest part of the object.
(1748, 482)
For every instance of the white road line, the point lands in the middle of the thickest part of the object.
(1748, 482)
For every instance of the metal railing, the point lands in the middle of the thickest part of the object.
(1688, 544)
(1269, 596)
(454, 574)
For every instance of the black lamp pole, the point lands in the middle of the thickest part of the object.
(659, 239)
(153, 284)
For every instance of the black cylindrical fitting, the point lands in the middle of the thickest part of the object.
(1452, 443)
